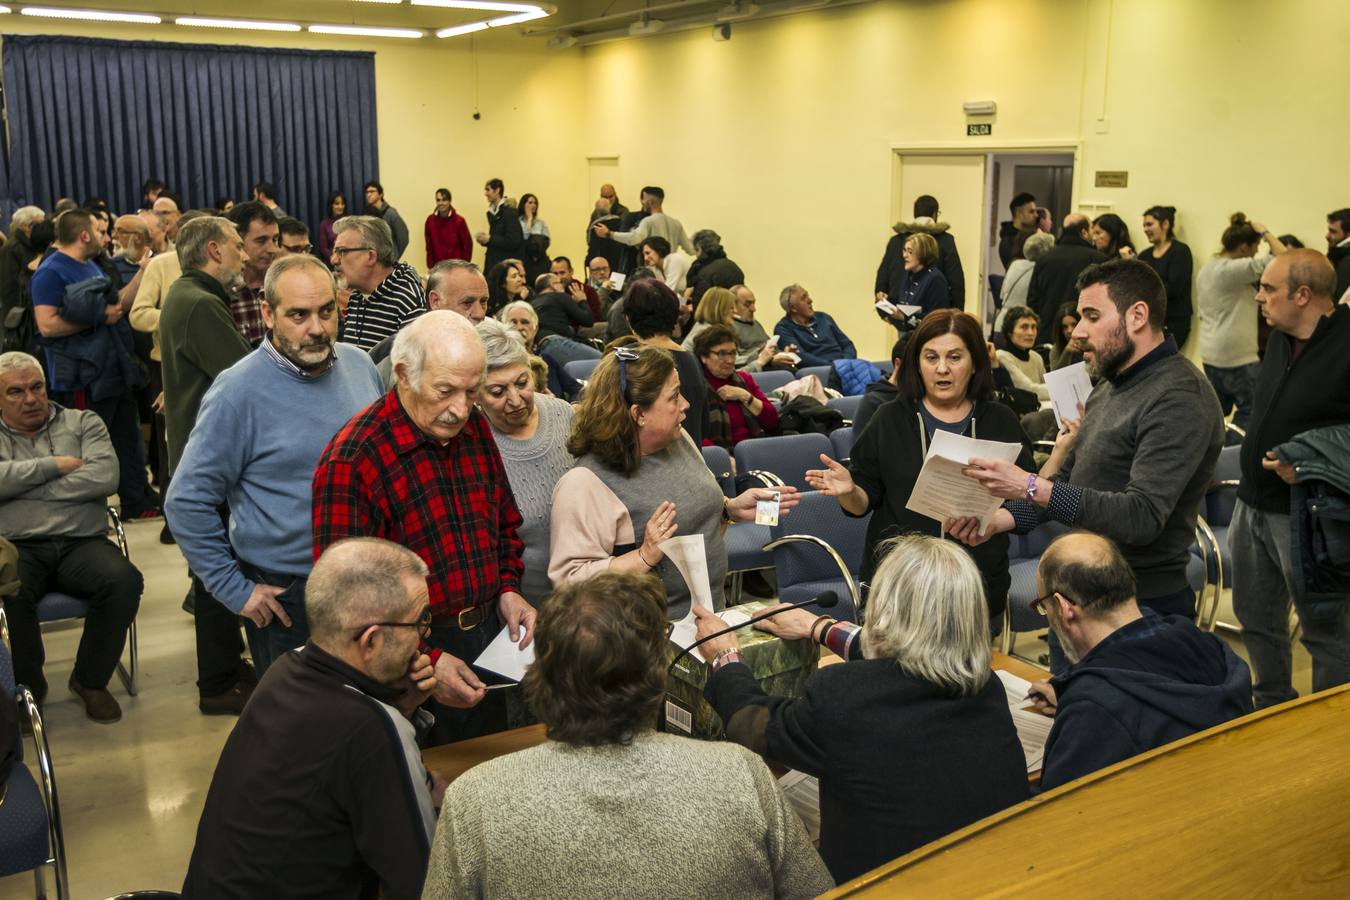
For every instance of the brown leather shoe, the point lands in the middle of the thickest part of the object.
(230, 703)
(99, 705)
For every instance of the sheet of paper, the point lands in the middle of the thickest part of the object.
(684, 632)
(505, 658)
(1032, 730)
(617, 279)
(803, 795)
(942, 492)
(887, 307)
(1015, 687)
(690, 556)
(1068, 388)
(908, 309)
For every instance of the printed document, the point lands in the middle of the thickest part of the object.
(942, 492)
(1068, 388)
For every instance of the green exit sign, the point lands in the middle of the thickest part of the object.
(979, 129)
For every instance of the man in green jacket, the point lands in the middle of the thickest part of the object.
(198, 340)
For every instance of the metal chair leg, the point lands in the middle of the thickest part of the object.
(50, 800)
(128, 674)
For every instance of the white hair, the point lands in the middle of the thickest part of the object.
(357, 581)
(26, 215)
(18, 361)
(437, 327)
(1038, 245)
(513, 306)
(502, 345)
(786, 296)
(927, 611)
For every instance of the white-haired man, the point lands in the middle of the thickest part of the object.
(420, 467)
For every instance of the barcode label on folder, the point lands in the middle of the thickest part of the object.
(678, 717)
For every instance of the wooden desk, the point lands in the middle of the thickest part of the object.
(452, 760)
(1255, 807)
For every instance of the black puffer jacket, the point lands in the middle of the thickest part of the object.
(1319, 519)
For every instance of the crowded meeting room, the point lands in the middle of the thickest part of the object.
(673, 449)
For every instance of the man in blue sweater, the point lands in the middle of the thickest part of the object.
(819, 341)
(1138, 680)
(262, 426)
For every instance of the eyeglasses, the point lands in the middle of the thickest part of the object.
(625, 355)
(1038, 605)
(298, 248)
(723, 354)
(423, 626)
(343, 251)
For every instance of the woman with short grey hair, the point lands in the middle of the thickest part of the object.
(531, 430)
(910, 738)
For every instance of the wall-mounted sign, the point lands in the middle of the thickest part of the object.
(979, 129)
(1113, 179)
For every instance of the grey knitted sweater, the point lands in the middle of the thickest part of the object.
(666, 816)
(533, 467)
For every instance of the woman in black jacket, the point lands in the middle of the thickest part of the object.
(1173, 262)
(944, 383)
(911, 739)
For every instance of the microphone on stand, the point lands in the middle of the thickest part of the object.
(827, 600)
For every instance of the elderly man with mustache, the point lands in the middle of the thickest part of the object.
(262, 426)
(420, 467)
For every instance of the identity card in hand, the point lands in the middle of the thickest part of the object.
(1068, 387)
(942, 492)
(766, 511)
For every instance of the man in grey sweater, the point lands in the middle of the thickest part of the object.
(607, 807)
(1146, 447)
(57, 468)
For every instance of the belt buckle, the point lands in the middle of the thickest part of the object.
(473, 612)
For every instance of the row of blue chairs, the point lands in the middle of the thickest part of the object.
(768, 381)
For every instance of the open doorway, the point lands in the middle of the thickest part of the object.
(1046, 176)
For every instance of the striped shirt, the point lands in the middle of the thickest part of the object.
(397, 301)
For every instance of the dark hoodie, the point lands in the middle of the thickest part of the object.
(1151, 682)
(877, 393)
(892, 268)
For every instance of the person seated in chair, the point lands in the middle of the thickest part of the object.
(57, 468)
(1136, 680)
(819, 340)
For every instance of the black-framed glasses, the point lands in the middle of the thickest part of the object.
(1038, 605)
(343, 251)
(624, 355)
(422, 624)
(723, 354)
(298, 248)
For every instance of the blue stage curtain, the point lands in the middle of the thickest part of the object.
(91, 117)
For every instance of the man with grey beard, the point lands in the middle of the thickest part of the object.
(1144, 453)
(259, 433)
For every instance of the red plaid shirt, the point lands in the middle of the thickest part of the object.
(380, 476)
(246, 308)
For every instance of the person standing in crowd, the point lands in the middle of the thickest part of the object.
(446, 232)
(170, 216)
(504, 239)
(261, 428)
(90, 350)
(1055, 275)
(1017, 281)
(150, 191)
(1228, 314)
(944, 384)
(712, 268)
(398, 229)
(260, 231)
(607, 775)
(1012, 234)
(15, 255)
(737, 408)
(612, 213)
(57, 468)
(1338, 248)
(1303, 385)
(420, 466)
(265, 193)
(819, 341)
(1111, 236)
(1138, 680)
(292, 238)
(348, 810)
(1171, 259)
(1018, 354)
(386, 293)
(916, 692)
(926, 213)
(531, 431)
(335, 207)
(534, 252)
(652, 311)
(639, 480)
(1145, 450)
(198, 341)
(655, 224)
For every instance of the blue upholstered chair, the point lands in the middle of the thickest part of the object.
(783, 459)
(842, 440)
(819, 548)
(847, 406)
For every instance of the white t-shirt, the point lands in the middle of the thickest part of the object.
(1225, 297)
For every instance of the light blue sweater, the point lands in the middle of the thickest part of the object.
(260, 432)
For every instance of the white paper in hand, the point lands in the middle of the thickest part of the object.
(504, 658)
(1068, 387)
(684, 632)
(617, 279)
(690, 556)
(887, 307)
(943, 492)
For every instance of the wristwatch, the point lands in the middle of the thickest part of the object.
(1031, 487)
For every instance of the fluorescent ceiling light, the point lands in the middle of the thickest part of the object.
(462, 29)
(364, 31)
(93, 15)
(236, 23)
(4, 9)
(379, 1)
(518, 17)
(493, 5)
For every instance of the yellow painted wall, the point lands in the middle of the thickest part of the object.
(529, 97)
(781, 138)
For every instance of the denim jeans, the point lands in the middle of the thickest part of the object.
(564, 350)
(1235, 387)
(268, 644)
(1263, 589)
